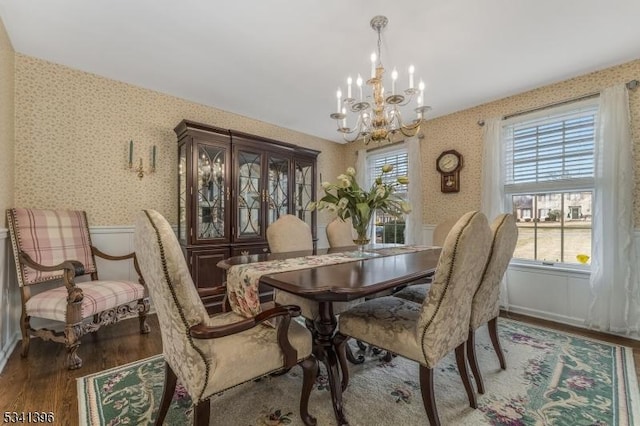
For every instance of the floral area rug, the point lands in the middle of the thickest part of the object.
(552, 378)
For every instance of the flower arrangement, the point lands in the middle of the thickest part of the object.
(349, 200)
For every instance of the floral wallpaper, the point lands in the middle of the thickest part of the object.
(72, 137)
(6, 121)
(460, 131)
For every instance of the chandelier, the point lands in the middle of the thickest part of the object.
(380, 120)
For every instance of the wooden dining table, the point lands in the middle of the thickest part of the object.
(342, 282)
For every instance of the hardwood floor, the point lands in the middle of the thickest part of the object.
(42, 383)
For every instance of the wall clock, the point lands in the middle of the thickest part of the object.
(449, 164)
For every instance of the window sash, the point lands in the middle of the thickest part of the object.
(548, 151)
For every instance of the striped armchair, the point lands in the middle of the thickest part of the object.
(54, 247)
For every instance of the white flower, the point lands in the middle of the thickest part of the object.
(326, 185)
(344, 182)
(351, 171)
(387, 168)
(380, 191)
(344, 177)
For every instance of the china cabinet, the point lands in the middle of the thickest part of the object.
(231, 186)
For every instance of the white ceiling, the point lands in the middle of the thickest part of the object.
(281, 61)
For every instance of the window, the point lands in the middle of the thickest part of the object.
(388, 229)
(549, 180)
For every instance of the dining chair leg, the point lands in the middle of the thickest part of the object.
(169, 389)
(461, 360)
(493, 333)
(309, 372)
(340, 342)
(201, 413)
(473, 360)
(351, 357)
(428, 397)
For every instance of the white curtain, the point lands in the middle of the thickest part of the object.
(413, 227)
(615, 300)
(492, 186)
(361, 168)
(492, 201)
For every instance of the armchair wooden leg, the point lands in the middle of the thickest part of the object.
(24, 327)
(309, 370)
(72, 343)
(493, 333)
(473, 360)
(464, 374)
(201, 413)
(143, 306)
(428, 397)
(170, 381)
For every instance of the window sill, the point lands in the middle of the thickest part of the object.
(555, 268)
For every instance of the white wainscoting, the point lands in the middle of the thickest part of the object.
(555, 295)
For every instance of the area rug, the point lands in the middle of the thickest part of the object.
(552, 378)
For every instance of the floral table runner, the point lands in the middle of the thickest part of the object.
(242, 280)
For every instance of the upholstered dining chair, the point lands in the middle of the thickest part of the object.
(287, 234)
(340, 233)
(426, 333)
(485, 307)
(416, 292)
(59, 282)
(442, 229)
(211, 354)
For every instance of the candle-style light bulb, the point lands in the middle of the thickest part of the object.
(394, 77)
(411, 71)
(359, 84)
(349, 81)
(339, 96)
(374, 57)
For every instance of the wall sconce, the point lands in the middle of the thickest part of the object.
(139, 169)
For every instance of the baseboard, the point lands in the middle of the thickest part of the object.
(563, 319)
(6, 352)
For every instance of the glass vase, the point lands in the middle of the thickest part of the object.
(361, 226)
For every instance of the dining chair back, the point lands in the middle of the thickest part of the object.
(442, 229)
(289, 233)
(485, 307)
(211, 354)
(340, 233)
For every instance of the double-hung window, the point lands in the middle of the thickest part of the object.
(388, 229)
(549, 181)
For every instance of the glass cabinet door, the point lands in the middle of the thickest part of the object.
(278, 188)
(211, 184)
(250, 195)
(303, 191)
(182, 193)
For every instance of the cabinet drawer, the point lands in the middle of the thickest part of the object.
(249, 249)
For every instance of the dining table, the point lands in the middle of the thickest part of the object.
(375, 270)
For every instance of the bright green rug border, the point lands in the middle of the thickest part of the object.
(626, 378)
